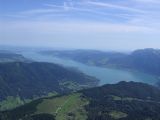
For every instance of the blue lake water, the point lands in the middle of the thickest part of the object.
(105, 75)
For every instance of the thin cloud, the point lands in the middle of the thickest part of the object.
(39, 11)
(75, 27)
(102, 4)
(148, 1)
(55, 10)
(89, 10)
(15, 16)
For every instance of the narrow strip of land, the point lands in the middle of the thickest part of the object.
(61, 106)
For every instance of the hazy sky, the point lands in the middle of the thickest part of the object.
(92, 24)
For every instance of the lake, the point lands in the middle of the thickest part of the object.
(105, 75)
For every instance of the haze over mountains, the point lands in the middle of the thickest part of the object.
(26, 85)
(79, 59)
(6, 56)
(146, 60)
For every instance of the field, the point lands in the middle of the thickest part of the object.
(10, 103)
(65, 107)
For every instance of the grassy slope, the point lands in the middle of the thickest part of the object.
(11, 102)
(65, 107)
(122, 101)
(117, 114)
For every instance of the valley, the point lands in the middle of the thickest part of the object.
(51, 87)
(79, 59)
(104, 74)
(144, 60)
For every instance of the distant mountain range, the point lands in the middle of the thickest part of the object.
(25, 86)
(145, 60)
(122, 101)
(6, 56)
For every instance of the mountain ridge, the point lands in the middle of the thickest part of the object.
(145, 60)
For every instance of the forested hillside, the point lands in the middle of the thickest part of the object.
(31, 80)
(6, 56)
(122, 101)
